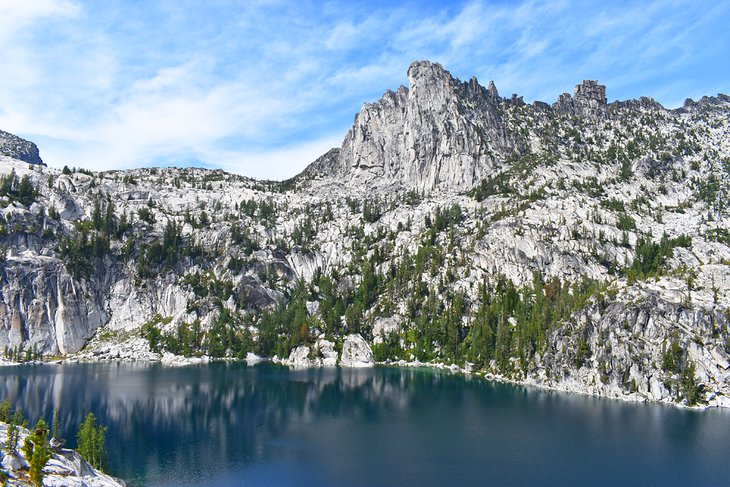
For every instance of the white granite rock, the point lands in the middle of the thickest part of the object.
(356, 352)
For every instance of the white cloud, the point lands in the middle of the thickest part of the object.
(125, 152)
(15, 13)
(245, 86)
(278, 164)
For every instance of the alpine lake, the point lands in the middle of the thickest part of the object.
(229, 424)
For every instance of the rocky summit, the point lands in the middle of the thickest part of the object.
(20, 149)
(580, 245)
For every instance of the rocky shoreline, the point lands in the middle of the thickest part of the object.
(301, 358)
(65, 468)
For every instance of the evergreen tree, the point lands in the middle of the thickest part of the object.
(91, 440)
(5, 411)
(690, 389)
(55, 425)
(14, 431)
(40, 451)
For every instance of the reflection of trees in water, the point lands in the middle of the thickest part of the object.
(172, 418)
(199, 421)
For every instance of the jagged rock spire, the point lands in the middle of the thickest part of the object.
(438, 133)
(589, 100)
(492, 90)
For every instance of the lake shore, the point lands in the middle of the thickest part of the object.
(573, 387)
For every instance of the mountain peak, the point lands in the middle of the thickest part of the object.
(419, 69)
(492, 90)
(591, 90)
(425, 77)
(588, 100)
(442, 133)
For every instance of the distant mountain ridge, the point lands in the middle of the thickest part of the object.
(442, 133)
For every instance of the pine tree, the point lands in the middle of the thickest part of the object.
(14, 431)
(91, 440)
(40, 452)
(55, 425)
(5, 411)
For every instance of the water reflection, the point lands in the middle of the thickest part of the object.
(220, 424)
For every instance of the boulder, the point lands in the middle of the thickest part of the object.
(356, 352)
(321, 354)
(299, 357)
(57, 444)
(327, 353)
(14, 462)
(252, 358)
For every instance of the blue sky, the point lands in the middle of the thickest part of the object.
(262, 87)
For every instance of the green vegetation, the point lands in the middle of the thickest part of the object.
(22, 355)
(286, 326)
(651, 257)
(159, 255)
(681, 371)
(613, 204)
(226, 337)
(721, 235)
(498, 185)
(91, 442)
(146, 215)
(243, 237)
(15, 421)
(37, 450)
(673, 357)
(625, 222)
(689, 388)
(372, 210)
(18, 189)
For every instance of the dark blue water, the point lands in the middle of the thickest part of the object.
(229, 425)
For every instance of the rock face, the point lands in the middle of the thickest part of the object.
(46, 308)
(581, 245)
(648, 320)
(441, 133)
(356, 352)
(321, 354)
(20, 149)
(438, 133)
(589, 101)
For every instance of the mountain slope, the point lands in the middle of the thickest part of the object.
(580, 245)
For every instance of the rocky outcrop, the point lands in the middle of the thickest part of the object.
(20, 149)
(113, 346)
(320, 354)
(65, 467)
(356, 352)
(437, 133)
(626, 343)
(323, 166)
(43, 307)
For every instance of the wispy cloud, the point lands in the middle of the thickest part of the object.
(264, 87)
(15, 15)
